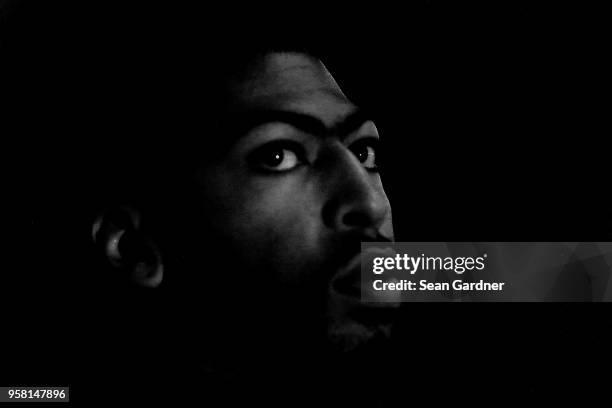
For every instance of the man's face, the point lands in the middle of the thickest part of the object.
(297, 191)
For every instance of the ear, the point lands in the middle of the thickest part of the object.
(119, 237)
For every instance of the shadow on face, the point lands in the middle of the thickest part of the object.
(273, 223)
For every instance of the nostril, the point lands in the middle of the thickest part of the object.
(357, 207)
(356, 219)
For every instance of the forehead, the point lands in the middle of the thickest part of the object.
(291, 81)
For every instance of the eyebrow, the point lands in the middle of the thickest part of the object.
(246, 121)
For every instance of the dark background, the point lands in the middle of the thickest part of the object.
(493, 122)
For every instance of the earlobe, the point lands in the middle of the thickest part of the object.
(119, 236)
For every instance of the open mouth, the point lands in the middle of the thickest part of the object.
(349, 284)
(348, 280)
(367, 309)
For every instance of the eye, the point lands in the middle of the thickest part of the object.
(277, 156)
(365, 151)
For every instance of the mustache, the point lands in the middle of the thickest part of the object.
(346, 246)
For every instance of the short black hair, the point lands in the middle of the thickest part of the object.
(160, 114)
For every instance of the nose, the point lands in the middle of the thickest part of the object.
(355, 200)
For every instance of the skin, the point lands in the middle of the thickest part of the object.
(295, 213)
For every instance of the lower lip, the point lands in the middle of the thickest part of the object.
(353, 298)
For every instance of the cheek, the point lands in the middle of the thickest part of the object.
(275, 223)
(284, 215)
